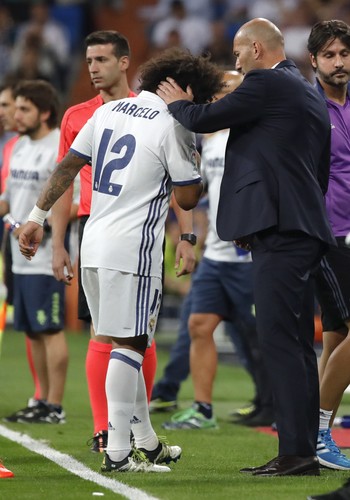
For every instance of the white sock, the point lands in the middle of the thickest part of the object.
(325, 416)
(121, 388)
(144, 435)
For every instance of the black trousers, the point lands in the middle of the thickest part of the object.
(283, 266)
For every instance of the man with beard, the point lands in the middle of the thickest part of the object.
(38, 297)
(329, 47)
(7, 120)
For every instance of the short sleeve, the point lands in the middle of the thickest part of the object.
(181, 155)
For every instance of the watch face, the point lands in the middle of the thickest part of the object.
(190, 237)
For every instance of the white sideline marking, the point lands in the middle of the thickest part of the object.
(74, 466)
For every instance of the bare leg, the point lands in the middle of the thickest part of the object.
(331, 340)
(57, 364)
(203, 354)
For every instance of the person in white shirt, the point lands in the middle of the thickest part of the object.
(222, 289)
(38, 297)
(138, 154)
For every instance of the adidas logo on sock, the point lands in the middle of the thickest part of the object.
(135, 420)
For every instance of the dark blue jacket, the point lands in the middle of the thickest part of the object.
(277, 154)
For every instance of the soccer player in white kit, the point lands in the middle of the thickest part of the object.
(139, 153)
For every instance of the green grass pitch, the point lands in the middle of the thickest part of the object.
(208, 469)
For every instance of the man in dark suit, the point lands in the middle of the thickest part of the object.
(271, 200)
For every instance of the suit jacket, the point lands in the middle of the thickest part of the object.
(277, 155)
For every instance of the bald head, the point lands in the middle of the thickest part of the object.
(264, 31)
(258, 44)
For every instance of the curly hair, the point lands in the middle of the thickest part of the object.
(203, 76)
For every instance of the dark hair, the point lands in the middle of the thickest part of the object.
(204, 77)
(327, 31)
(43, 95)
(177, 4)
(120, 43)
(10, 82)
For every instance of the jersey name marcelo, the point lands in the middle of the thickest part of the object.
(134, 110)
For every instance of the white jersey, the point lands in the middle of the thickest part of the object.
(137, 150)
(212, 168)
(31, 164)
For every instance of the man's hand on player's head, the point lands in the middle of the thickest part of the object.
(170, 91)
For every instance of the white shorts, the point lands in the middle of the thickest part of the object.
(122, 304)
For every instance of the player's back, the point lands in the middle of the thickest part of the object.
(137, 149)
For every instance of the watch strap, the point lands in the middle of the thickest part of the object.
(190, 237)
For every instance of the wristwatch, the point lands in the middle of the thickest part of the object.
(190, 237)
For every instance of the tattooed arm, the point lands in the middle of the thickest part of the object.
(59, 181)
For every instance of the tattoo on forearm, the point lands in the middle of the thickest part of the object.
(60, 180)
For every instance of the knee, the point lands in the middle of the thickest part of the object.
(198, 328)
(331, 341)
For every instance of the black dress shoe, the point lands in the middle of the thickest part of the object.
(291, 465)
(251, 470)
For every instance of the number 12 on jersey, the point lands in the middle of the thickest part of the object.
(103, 173)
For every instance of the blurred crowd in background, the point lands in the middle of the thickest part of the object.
(44, 39)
